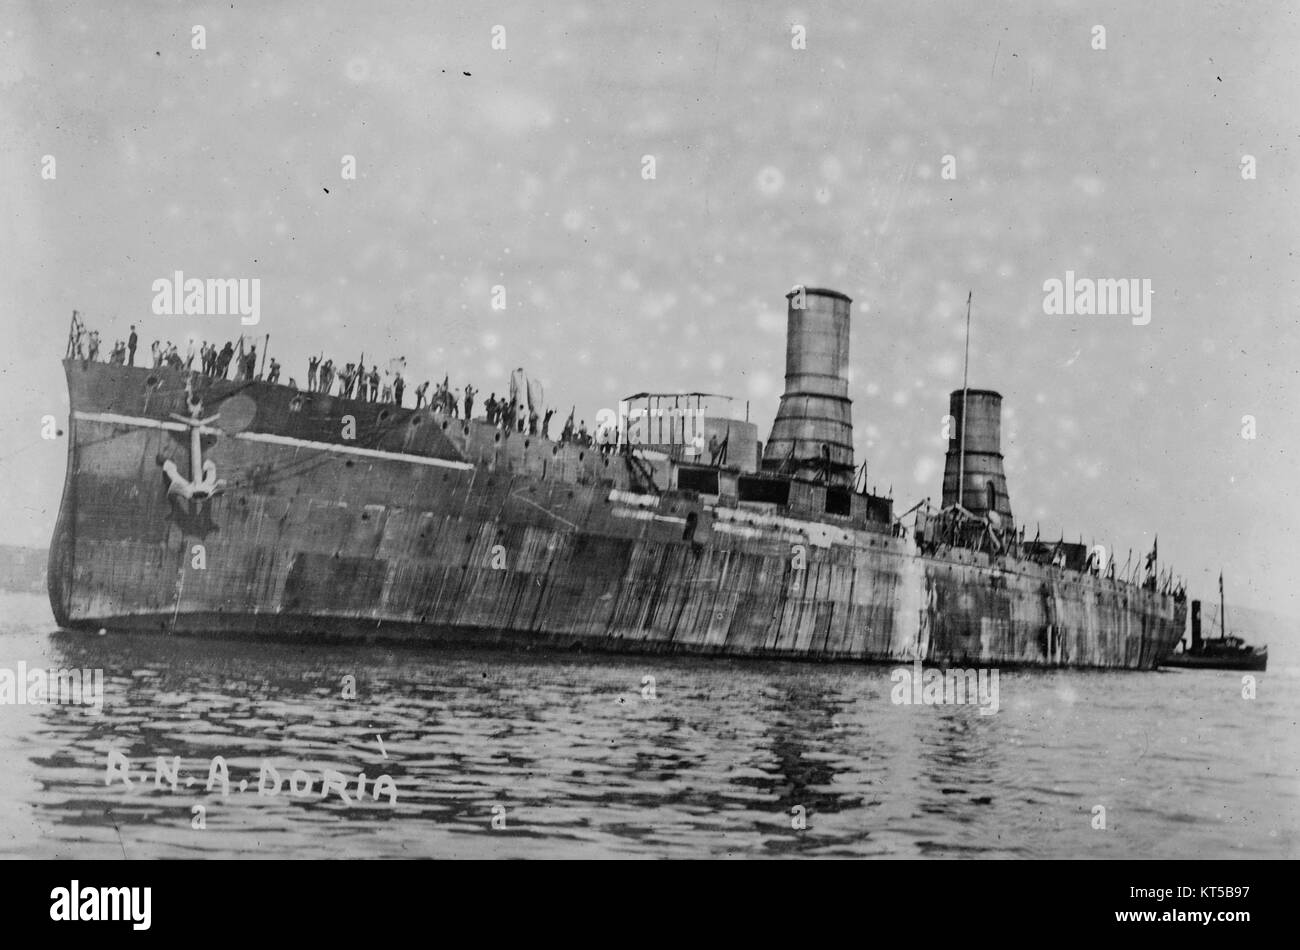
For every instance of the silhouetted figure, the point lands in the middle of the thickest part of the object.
(131, 342)
(224, 358)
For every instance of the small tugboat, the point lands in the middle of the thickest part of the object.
(1221, 653)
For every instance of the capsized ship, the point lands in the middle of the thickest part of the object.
(201, 506)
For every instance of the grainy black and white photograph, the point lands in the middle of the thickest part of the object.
(649, 430)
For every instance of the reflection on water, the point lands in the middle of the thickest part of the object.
(582, 756)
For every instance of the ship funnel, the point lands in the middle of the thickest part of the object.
(812, 436)
(983, 484)
(1196, 626)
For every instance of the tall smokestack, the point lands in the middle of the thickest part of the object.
(812, 436)
(984, 486)
(1196, 625)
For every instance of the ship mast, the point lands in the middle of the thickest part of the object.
(965, 369)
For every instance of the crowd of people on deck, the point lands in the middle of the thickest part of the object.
(351, 381)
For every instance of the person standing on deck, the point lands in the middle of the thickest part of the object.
(399, 386)
(223, 360)
(131, 342)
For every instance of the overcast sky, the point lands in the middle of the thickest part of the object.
(523, 167)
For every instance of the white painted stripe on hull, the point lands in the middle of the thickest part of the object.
(646, 516)
(352, 450)
(114, 419)
(287, 441)
(634, 498)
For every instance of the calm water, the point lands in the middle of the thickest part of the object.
(581, 764)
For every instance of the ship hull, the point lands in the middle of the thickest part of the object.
(422, 529)
(1257, 662)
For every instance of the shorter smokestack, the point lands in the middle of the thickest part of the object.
(1196, 625)
(983, 484)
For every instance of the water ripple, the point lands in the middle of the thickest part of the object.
(507, 754)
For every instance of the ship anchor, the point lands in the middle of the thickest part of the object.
(203, 483)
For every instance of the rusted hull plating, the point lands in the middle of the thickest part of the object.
(482, 539)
